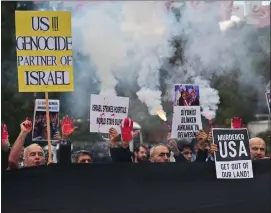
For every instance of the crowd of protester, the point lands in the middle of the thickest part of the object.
(200, 150)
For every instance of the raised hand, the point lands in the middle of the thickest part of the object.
(236, 122)
(113, 134)
(67, 126)
(126, 127)
(26, 126)
(4, 135)
(201, 136)
(172, 144)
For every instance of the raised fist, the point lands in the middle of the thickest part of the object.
(26, 126)
(236, 122)
(113, 134)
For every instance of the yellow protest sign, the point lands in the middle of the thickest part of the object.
(44, 51)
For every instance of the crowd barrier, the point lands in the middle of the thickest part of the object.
(134, 188)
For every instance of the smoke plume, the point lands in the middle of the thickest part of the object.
(212, 49)
(122, 39)
(129, 42)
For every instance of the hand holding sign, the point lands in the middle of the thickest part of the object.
(201, 136)
(213, 148)
(4, 134)
(66, 127)
(210, 137)
(236, 122)
(127, 133)
(26, 126)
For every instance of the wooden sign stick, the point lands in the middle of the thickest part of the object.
(48, 128)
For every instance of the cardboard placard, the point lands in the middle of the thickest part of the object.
(44, 51)
(39, 132)
(232, 160)
(107, 112)
(186, 122)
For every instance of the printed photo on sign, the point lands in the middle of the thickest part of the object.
(107, 112)
(39, 132)
(232, 160)
(48, 36)
(186, 95)
(268, 99)
(186, 121)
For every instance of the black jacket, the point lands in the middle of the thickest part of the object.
(121, 155)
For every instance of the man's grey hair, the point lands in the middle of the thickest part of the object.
(26, 149)
(153, 148)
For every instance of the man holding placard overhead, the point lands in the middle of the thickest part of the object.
(44, 55)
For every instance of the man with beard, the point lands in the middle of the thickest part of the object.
(140, 154)
(257, 148)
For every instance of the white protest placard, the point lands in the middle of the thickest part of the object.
(232, 160)
(107, 112)
(186, 121)
(39, 132)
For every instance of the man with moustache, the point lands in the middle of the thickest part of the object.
(257, 148)
(140, 154)
(159, 154)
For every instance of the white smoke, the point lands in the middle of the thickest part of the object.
(124, 38)
(129, 41)
(150, 26)
(212, 49)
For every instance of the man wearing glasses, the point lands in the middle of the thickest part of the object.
(159, 154)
